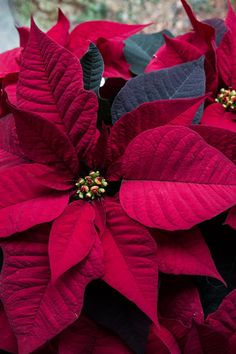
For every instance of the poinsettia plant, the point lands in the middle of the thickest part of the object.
(118, 202)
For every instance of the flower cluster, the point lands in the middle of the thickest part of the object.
(91, 186)
(227, 98)
(118, 203)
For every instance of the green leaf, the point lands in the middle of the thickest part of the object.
(93, 66)
(140, 48)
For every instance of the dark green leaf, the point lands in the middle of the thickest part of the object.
(140, 48)
(180, 81)
(93, 66)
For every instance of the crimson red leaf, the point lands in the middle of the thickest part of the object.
(43, 142)
(184, 252)
(91, 31)
(60, 31)
(24, 35)
(175, 180)
(231, 218)
(130, 259)
(8, 62)
(51, 84)
(84, 336)
(215, 115)
(72, 237)
(202, 29)
(222, 139)
(115, 65)
(25, 200)
(108, 36)
(147, 116)
(203, 339)
(10, 151)
(8, 160)
(175, 51)
(161, 341)
(224, 318)
(37, 309)
(7, 339)
(226, 51)
(179, 304)
(178, 51)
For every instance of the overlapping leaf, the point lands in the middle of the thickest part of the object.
(161, 341)
(184, 252)
(178, 176)
(181, 81)
(44, 143)
(130, 259)
(36, 309)
(7, 340)
(140, 48)
(59, 32)
(222, 139)
(94, 30)
(72, 237)
(26, 201)
(224, 319)
(215, 115)
(147, 116)
(51, 85)
(227, 49)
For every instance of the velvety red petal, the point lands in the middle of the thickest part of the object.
(60, 31)
(72, 237)
(184, 252)
(37, 309)
(161, 341)
(88, 31)
(44, 143)
(26, 202)
(222, 139)
(8, 62)
(115, 64)
(56, 90)
(215, 115)
(224, 318)
(175, 180)
(147, 116)
(130, 259)
(226, 52)
(7, 339)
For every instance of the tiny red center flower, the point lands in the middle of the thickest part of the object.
(227, 97)
(91, 186)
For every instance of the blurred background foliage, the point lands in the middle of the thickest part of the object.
(164, 13)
